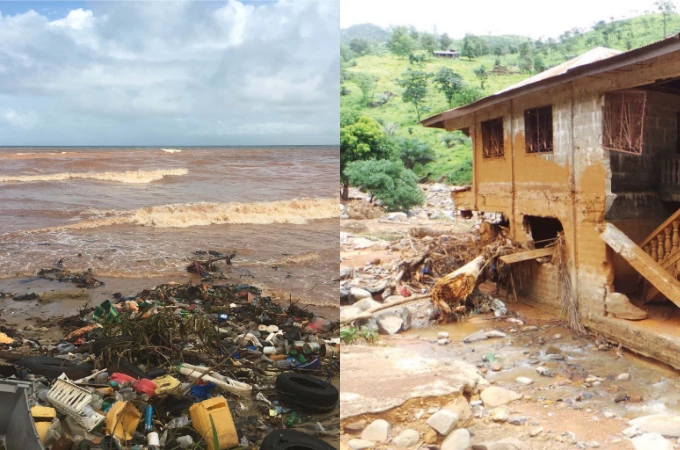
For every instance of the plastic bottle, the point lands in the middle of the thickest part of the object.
(178, 422)
(148, 419)
(292, 419)
(153, 441)
(65, 347)
(185, 441)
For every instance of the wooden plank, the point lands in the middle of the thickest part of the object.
(661, 227)
(642, 262)
(525, 256)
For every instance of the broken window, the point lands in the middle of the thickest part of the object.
(543, 230)
(538, 130)
(624, 117)
(492, 138)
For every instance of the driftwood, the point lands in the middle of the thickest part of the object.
(451, 291)
(369, 312)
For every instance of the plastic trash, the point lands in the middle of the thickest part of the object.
(229, 385)
(122, 420)
(148, 418)
(65, 347)
(167, 384)
(178, 422)
(121, 378)
(292, 419)
(202, 391)
(72, 401)
(145, 386)
(216, 409)
(185, 441)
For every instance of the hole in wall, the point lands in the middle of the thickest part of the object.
(543, 230)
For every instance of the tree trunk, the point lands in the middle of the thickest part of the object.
(345, 192)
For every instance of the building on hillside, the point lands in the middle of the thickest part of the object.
(447, 54)
(590, 150)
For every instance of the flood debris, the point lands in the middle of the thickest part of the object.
(193, 365)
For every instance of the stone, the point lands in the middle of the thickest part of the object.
(356, 426)
(407, 438)
(554, 357)
(495, 334)
(358, 293)
(442, 335)
(495, 396)
(443, 421)
(496, 366)
(623, 377)
(349, 311)
(530, 328)
(397, 216)
(458, 440)
(651, 441)
(517, 420)
(524, 380)
(621, 396)
(666, 425)
(377, 431)
(390, 324)
(462, 409)
(503, 444)
(442, 341)
(500, 414)
(535, 431)
(360, 444)
(545, 372)
(553, 351)
(619, 306)
(430, 437)
(482, 335)
(631, 431)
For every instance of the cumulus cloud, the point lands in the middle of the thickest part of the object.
(178, 73)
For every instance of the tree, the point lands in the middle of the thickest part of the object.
(449, 83)
(387, 181)
(413, 151)
(445, 41)
(346, 53)
(629, 44)
(428, 43)
(360, 46)
(470, 48)
(539, 65)
(400, 43)
(667, 9)
(482, 75)
(414, 83)
(360, 141)
(498, 51)
(526, 60)
(467, 94)
(367, 85)
(348, 116)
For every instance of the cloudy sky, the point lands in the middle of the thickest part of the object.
(534, 18)
(169, 73)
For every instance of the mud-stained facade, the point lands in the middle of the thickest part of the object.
(581, 183)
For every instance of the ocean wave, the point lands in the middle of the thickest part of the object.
(171, 150)
(130, 176)
(185, 215)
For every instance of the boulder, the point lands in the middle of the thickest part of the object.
(458, 440)
(619, 306)
(349, 311)
(358, 293)
(524, 380)
(495, 396)
(462, 409)
(365, 304)
(651, 441)
(500, 414)
(663, 424)
(407, 438)
(503, 444)
(443, 421)
(390, 324)
(377, 431)
(360, 444)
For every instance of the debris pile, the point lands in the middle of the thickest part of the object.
(178, 366)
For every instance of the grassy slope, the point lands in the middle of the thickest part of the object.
(455, 163)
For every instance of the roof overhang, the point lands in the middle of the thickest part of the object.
(629, 58)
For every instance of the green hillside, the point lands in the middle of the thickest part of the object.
(519, 57)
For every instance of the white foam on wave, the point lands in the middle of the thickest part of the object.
(185, 215)
(130, 176)
(171, 150)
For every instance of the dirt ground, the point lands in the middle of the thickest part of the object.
(575, 408)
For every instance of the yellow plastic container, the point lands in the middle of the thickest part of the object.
(42, 428)
(167, 385)
(122, 420)
(218, 409)
(40, 413)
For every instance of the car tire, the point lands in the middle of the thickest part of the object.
(306, 391)
(50, 367)
(293, 440)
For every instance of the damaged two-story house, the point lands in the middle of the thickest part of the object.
(590, 149)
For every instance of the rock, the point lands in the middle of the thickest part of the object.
(555, 357)
(651, 441)
(346, 273)
(442, 341)
(634, 398)
(495, 396)
(356, 426)
(377, 431)
(500, 414)
(623, 377)
(503, 444)
(552, 351)
(462, 409)
(360, 444)
(524, 380)
(458, 440)
(358, 293)
(621, 396)
(390, 324)
(663, 424)
(397, 216)
(536, 431)
(442, 335)
(407, 438)
(545, 372)
(52, 296)
(517, 420)
(349, 311)
(530, 328)
(481, 335)
(430, 437)
(443, 421)
(631, 431)
(619, 306)
(496, 366)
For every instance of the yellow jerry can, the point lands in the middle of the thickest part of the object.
(218, 409)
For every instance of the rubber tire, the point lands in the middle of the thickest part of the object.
(50, 367)
(293, 440)
(306, 391)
